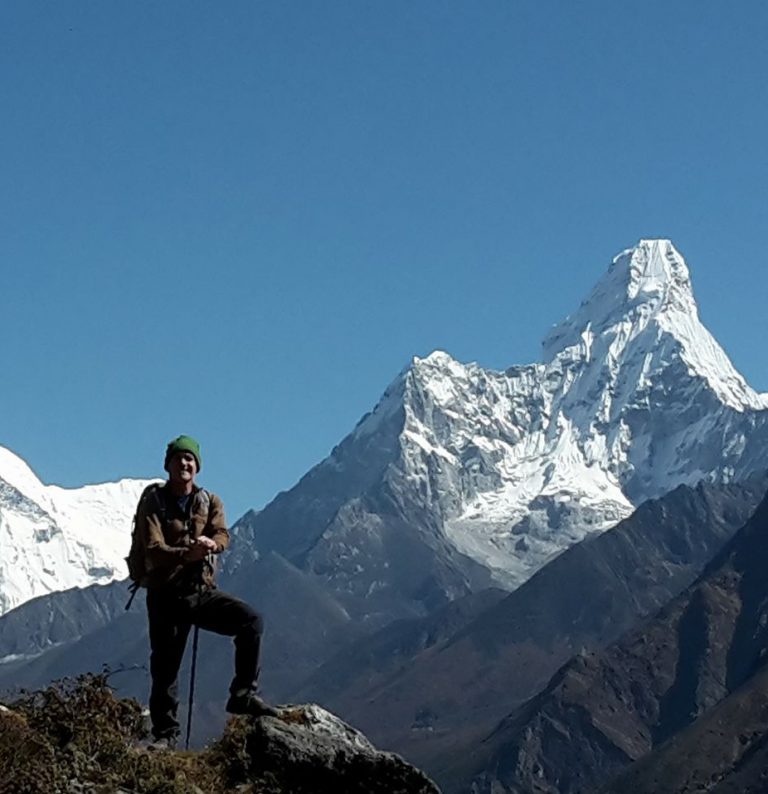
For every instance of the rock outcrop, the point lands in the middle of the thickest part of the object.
(306, 749)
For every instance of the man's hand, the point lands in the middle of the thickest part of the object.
(201, 547)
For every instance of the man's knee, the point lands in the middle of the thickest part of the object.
(255, 623)
(251, 628)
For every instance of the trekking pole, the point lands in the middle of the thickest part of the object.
(192, 686)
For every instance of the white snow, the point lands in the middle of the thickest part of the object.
(54, 538)
(631, 391)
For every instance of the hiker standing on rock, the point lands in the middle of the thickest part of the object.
(179, 529)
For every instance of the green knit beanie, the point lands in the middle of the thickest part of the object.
(183, 444)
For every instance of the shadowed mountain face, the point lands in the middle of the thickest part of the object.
(605, 710)
(725, 751)
(431, 701)
(51, 620)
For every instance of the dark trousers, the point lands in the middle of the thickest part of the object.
(171, 615)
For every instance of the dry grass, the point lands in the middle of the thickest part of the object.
(77, 736)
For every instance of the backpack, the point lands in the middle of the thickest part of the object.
(136, 559)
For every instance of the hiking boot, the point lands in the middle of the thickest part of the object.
(163, 743)
(250, 704)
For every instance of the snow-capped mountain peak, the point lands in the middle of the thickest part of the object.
(20, 476)
(642, 284)
(633, 397)
(54, 538)
(643, 312)
(657, 272)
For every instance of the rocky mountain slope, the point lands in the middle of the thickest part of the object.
(428, 687)
(602, 711)
(56, 619)
(431, 701)
(725, 751)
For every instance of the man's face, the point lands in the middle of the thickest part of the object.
(182, 467)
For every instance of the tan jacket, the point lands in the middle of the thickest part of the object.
(166, 536)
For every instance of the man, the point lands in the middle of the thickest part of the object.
(180, 527)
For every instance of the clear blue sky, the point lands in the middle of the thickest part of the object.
(240, 220)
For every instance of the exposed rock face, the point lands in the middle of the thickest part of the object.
(725, 751)
(308, 749)
(424, 687)
(605, 710)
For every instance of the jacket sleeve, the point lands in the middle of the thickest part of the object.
(216, 528)
(158, 553)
